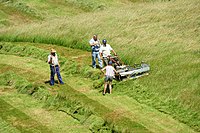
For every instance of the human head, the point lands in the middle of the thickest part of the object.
(104, 42)
(53, 52)
(110, 63)
(95, 37)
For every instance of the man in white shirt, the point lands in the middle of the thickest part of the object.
(54, 67)
(95, 45)
(105, 51)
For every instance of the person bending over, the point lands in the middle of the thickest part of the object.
(109, 74)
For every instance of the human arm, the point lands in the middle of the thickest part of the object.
(114, 52)
(100, 52)
(115, 70)
(57, 60)
(93, 43)
(101, 55)
(102, 70)
(111, 49)
(58, 64)
(49, 59)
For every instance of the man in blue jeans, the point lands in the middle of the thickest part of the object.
(54, 67)
(95, 45)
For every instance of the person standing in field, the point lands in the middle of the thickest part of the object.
(95, 45)
(109, 74)
(54, 67)
(105, 51)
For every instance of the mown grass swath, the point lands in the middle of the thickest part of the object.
(165, 34)
(130, 88)
(60, 101)
(76, 104)
(69, 103)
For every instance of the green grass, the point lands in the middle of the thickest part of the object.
(58, 102)
(165, 34)
(5, 127)
(75, 104)
(79, 106)
(19, 119)
(53, 121)
(166, 104)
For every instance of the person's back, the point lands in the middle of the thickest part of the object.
(110, 71)
(109, 74)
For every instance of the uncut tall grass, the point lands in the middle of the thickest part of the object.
(165, 34)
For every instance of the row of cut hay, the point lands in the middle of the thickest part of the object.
(73, 103)
(169, 105)
(166, 104)
(68, 66)
(165, 34)
(70, 105)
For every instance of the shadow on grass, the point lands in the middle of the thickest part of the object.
(48, 82)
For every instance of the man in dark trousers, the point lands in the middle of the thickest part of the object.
(54, 67)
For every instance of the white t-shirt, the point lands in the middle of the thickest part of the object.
(96, 47)
(110, 71)
(105, 50)
(54, 59)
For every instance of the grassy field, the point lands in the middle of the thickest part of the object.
(88, 112)
(165, 34)
(117, 112)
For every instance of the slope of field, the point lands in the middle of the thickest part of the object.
(165, 34)
(119, 112)
(22, 113)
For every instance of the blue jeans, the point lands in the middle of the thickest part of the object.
(94, 56)
(55, 70)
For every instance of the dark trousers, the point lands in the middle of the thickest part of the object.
(55, 70)
(105, 61)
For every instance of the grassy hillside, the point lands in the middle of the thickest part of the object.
(165, 34)
(90, 114)
(80, 98)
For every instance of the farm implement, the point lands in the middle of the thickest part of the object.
(129, 72)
